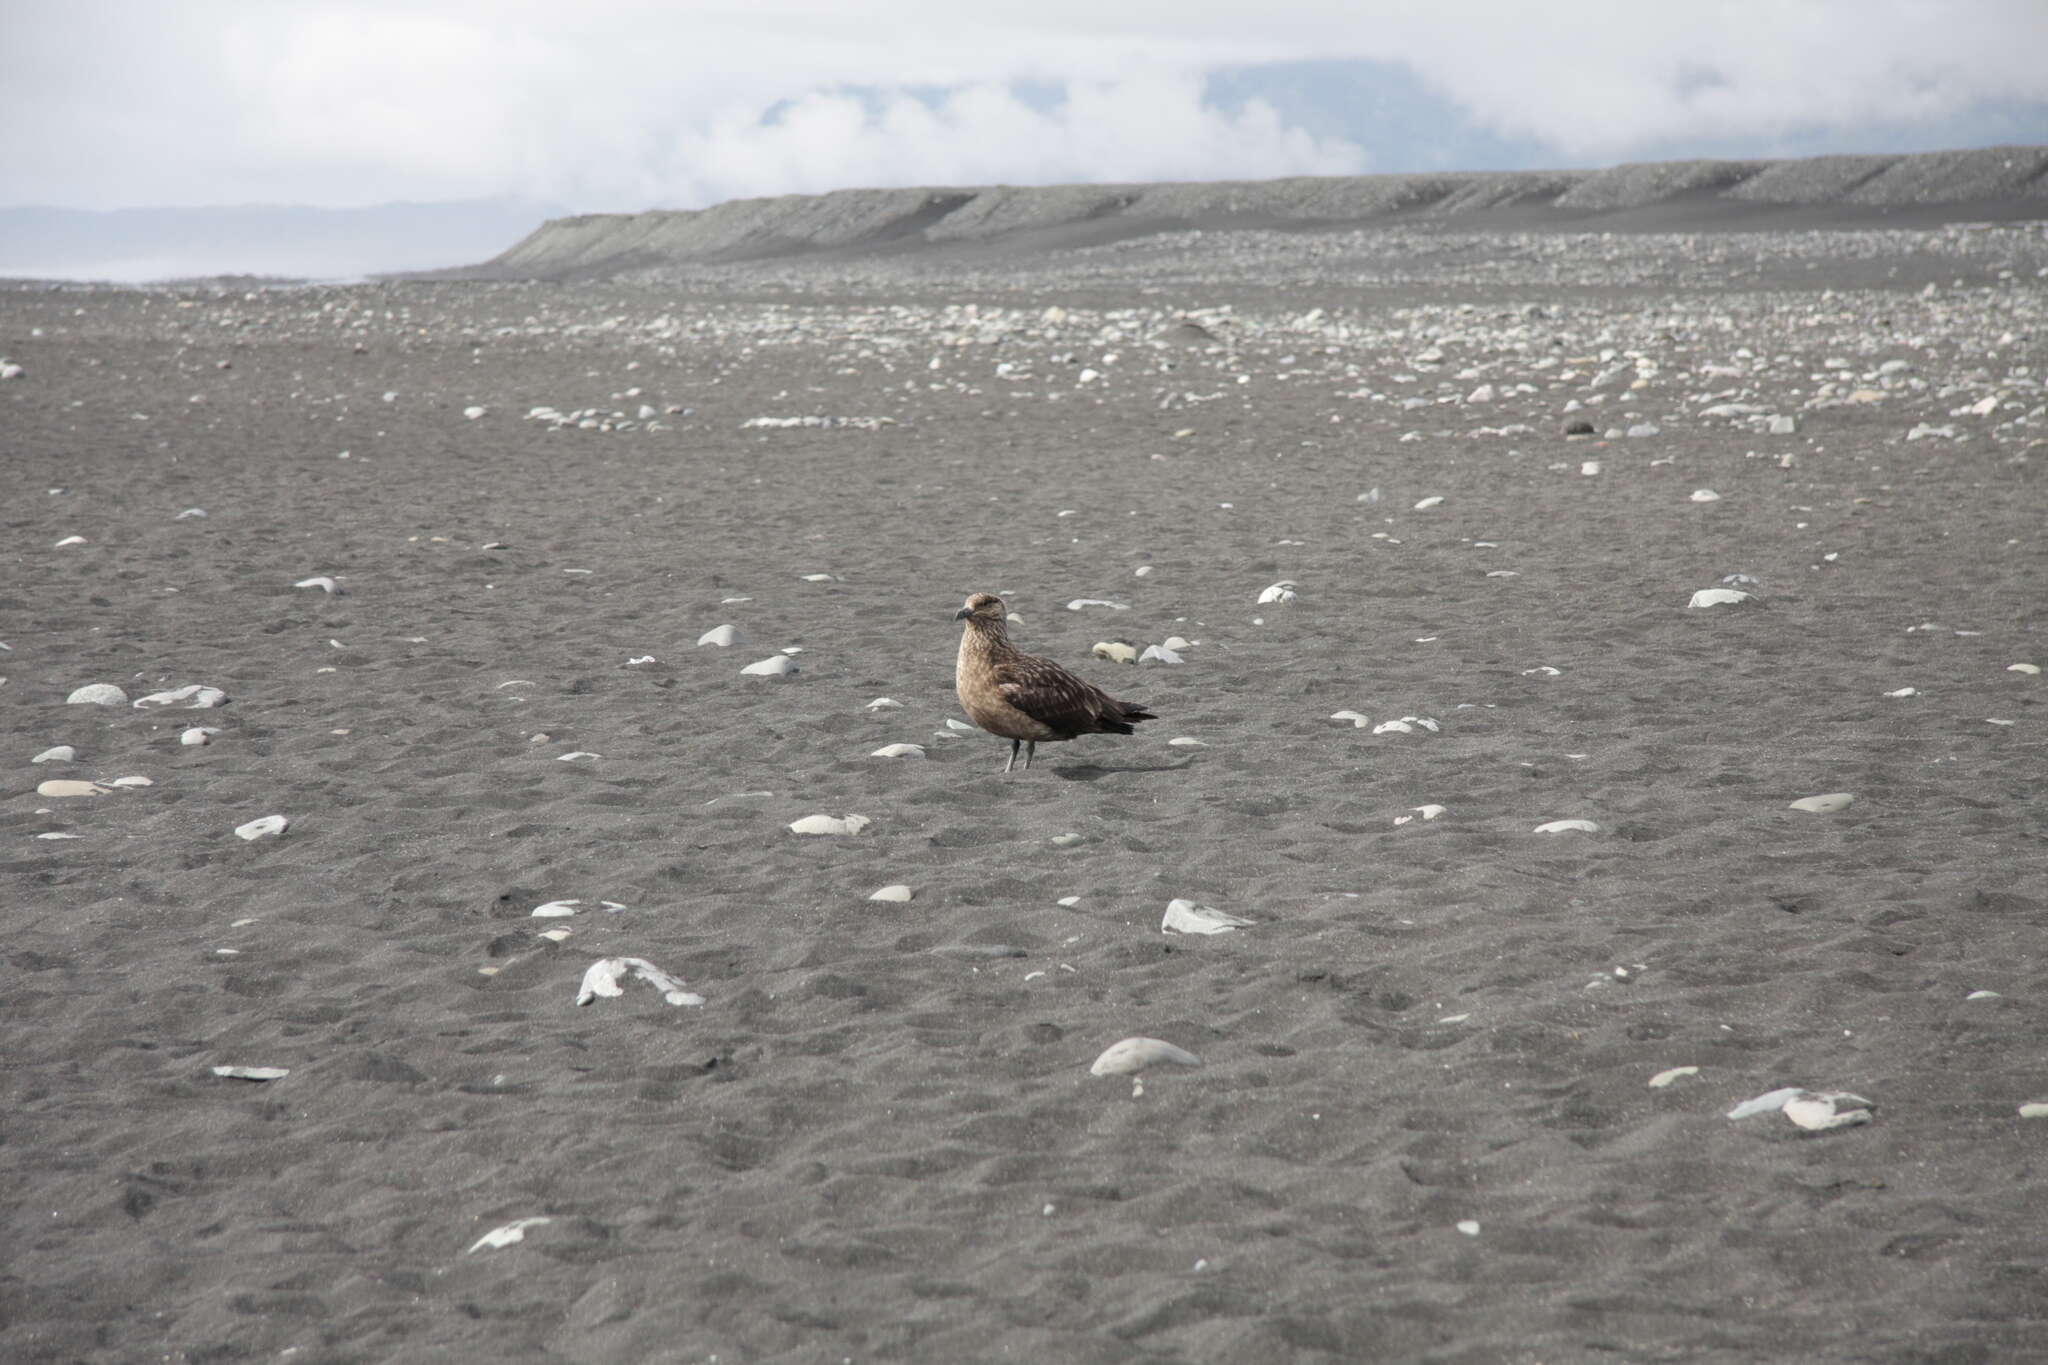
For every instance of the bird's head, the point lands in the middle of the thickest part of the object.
(983, 606)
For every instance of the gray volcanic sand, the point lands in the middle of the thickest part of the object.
(879, 1139)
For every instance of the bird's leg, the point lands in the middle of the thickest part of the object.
(1030, 748)
(1013, 756)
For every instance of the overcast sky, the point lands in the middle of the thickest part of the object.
(626, 104)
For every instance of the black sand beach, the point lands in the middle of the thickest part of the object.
(1424, 1127)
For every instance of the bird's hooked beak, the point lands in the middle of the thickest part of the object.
(963, 613)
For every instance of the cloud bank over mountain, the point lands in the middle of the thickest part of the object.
(626, 104)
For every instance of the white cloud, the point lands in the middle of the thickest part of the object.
(1143, 128)
(1621, 77)
(623, 103)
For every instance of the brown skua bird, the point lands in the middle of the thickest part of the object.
(1023, 698)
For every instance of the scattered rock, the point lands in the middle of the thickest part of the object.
(1132, 1055)
(603, 976)
(71, 787)
(191, 697)
(505, 1236)
(830, 824)
(1186, 917)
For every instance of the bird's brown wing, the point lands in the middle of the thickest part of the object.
(1050, 695)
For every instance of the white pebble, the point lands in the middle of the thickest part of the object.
(1904, 692)
(1469, 1227)
(1428, 503)
(1818, 1113)
(1082, 603)
(473, 411)
(1568, 827)
(1283, 591)
(198, 734)
(1720, 597)
(602, 979)
(1358, 721)
(896, 892)
(899, 751)
(191, 697)
(830, 824)
(70, 540)
(555, 909)
(722, 636)
(56, 753)
(1664, 1078)
(884, 704)
(131, 782)
(1186, 917)
(2034, 1109)
(779, 665)
(1116, 651)
(1186, 742)
(252, 1073)
(1769, 1102)
(326, 585)
(265, 825)
(1824, 805)
(1133, 1055)
(506, 1235)
(191, 514)
(2023, 668)
(1159, 654)
(98, 694)
(1705, 495)
(71, 787)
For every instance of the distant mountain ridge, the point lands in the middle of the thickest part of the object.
(1908, 190)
